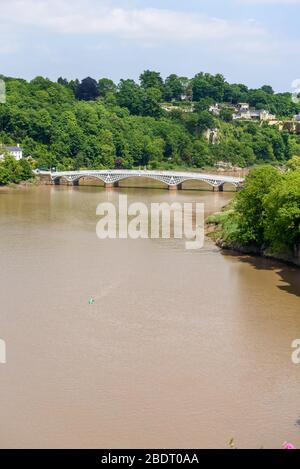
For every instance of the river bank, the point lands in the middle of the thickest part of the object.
(23, 184)
(215, 231)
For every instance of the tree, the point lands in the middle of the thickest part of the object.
(151, 79)
(249, 206)
(197, 123)
(4, 175)
(235, 152)
(206, 85)
(226, 114)
(73, 85)
(150, 102)
(259, 99)
(187, 88)
(40, 125)
(25, 170)
(87, 90)
(293, 164)
(105, 86)
(278, 145)
(174, 88)
(203, 104)
(282, 213)
(267, 89)
(41, 83)
(130, 95)
(235, 93)
(263, 149)
(201, 154)
(14, 171)
(62, 81)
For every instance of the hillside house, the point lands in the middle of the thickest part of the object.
(261, 115)
(16, 152)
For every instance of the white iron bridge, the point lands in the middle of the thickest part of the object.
(172, 179)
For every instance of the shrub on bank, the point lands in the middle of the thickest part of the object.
(12, 171)
(265, 214)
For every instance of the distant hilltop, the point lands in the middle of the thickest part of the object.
(203, 88)
(176, 123)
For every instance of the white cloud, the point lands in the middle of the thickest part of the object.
(88, 17)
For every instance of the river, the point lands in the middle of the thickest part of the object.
(181, 349)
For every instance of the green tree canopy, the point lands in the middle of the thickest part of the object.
(249, 206)
(282, 213)
(87, 90)
(151, 79)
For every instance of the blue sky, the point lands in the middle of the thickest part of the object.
(249, 41)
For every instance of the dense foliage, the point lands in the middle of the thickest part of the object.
(97, 124)
(266, 212)
(12, 171)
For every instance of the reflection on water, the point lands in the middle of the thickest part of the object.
(180, 349)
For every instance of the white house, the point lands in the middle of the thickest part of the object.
(254, 114)
(16, 152)
(297, 117)
(243, 107)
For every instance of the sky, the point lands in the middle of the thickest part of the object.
(255, 42)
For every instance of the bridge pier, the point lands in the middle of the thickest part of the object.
(76, 183)
(218, 188)
(56, 181)
(174, 187)
(110, 185)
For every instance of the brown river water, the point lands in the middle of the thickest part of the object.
(182, 349)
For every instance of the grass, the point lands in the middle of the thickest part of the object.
(225, 224)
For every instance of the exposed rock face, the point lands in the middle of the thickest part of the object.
(212, 135)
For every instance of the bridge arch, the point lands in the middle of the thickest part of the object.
(142, 181)
(229, 186)
(76, 179)
(198, 184)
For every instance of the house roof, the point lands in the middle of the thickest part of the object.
(13, 148)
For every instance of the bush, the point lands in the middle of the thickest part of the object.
(14, 171)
